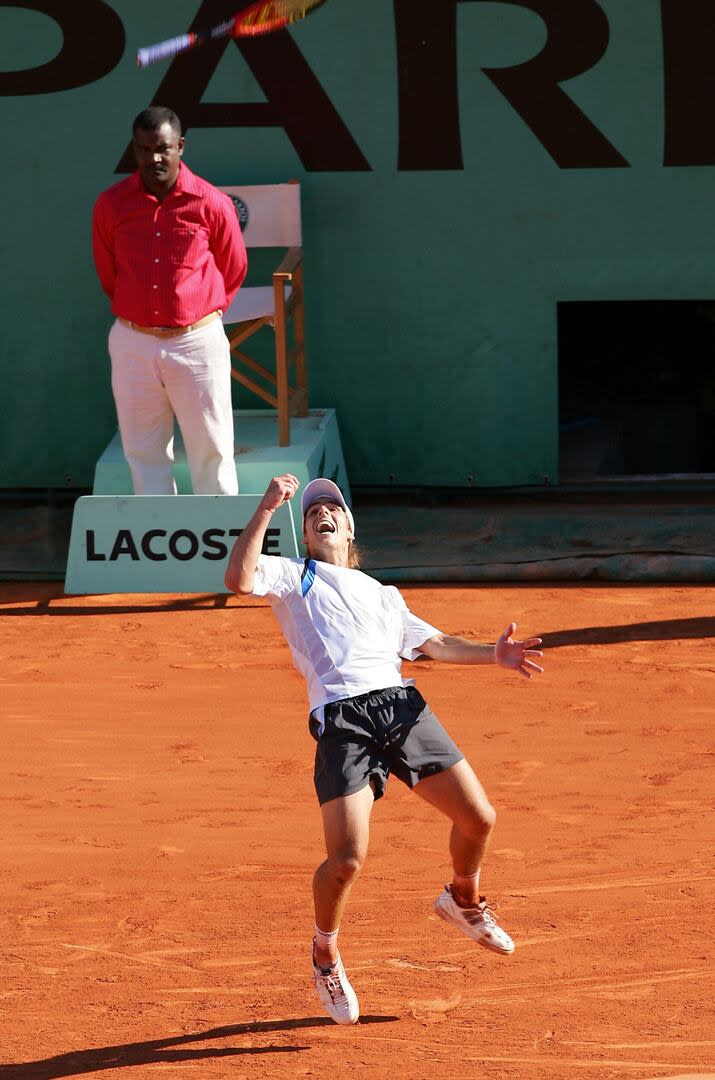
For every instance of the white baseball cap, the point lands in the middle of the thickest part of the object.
(322, 488)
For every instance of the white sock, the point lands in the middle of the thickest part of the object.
(326, 939)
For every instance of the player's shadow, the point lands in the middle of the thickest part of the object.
(170, 1051)
(660, 630)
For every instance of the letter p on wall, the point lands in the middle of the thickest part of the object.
(93, 42)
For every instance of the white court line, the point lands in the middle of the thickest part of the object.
(127, 956)
(624, 883)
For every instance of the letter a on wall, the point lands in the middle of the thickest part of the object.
(295, 99)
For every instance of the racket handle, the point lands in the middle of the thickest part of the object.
(172, 47)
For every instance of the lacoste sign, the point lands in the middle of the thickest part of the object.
(164, 543)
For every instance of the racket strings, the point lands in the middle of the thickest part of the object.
(261, 18)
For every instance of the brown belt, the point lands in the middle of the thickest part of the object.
(170, 331)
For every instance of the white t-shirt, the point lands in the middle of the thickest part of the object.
(346, 631)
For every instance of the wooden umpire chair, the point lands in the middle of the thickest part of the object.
(270, 218)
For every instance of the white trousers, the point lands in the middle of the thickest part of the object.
(187, 376)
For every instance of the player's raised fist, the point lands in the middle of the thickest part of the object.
(280, 489)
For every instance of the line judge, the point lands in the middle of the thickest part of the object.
(170, 256)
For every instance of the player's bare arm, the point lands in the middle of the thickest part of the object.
(244, 556)
(519, 656)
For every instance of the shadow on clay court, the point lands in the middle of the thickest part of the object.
(50, 606)
(662, 630)
(38, 602)
(170, 1051)
(42, 598)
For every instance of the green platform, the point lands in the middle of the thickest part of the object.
(315, 450)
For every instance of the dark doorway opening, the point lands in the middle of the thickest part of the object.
(636, 389)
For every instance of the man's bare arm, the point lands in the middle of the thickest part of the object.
(243, 561)
(518, 656)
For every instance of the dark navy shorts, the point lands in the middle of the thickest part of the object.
(361, 740)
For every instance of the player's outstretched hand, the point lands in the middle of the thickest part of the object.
(520, 656)
(280, 490)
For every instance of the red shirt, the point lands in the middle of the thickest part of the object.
(167, 263)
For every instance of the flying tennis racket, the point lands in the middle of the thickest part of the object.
(260, 18)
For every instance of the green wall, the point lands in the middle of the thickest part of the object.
(431, 283)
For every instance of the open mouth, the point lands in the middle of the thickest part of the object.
(325, 527)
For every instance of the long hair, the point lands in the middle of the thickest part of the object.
(354, 554)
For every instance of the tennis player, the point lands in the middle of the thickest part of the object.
(348, 634)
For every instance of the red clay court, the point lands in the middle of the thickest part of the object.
(160, 834)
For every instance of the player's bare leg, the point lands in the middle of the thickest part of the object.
(458, 794)
(346, 824)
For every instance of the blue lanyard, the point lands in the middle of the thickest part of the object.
(307, 577)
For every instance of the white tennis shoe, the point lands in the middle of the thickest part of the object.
(477, 922)
(335, 992)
